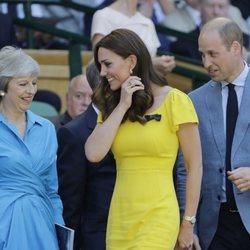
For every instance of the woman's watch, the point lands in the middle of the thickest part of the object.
(191, 219)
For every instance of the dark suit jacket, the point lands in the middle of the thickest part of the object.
(187, 47)
(85, 188)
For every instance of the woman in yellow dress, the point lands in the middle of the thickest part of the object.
(143, 121)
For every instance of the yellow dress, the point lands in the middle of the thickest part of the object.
(144, 213)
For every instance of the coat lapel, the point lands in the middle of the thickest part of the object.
(215, 114)
(243, 117)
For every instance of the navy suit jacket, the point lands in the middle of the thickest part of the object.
(85, 188)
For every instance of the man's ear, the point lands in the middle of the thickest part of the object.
(236, 47)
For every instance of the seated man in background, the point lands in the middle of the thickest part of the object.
(85, 188)
(185, 18)
(78, 99)
(188, 20)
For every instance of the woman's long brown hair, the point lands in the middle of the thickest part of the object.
(124, 43)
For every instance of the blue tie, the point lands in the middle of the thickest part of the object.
(232, 113)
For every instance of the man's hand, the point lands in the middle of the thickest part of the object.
(164, 64)
(241, 178)
(196, 244)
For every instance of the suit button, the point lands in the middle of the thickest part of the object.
(220, 170)
(218, 197)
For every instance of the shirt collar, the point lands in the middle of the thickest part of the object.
(31, 119)
(240, 79)
(95, 108)
(1, 117)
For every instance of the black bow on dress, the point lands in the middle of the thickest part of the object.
(156, 117)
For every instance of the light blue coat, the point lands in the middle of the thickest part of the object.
(29, 203)
(208, 104)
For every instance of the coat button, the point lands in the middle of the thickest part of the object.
(220, 170)
(218, 197)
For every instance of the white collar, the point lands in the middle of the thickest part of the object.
(240, 79)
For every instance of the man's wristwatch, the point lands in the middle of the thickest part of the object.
(191, 219)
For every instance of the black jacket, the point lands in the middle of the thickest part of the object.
(85, 188)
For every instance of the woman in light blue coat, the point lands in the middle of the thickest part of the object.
(29, 203)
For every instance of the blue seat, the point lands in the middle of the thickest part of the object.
(50, 97)
(43, 109)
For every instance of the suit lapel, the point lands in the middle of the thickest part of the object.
(215, 114)
(243, 117)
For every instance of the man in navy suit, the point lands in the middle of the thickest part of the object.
(223, 216)
(85, 188)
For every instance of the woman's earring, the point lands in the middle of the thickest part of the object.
(2, 93)
(131, 71)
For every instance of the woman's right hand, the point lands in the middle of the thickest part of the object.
(185, 237)
(131, 85)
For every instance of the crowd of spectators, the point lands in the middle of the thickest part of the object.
(186, 16)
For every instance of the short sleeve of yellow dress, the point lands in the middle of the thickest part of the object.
(144, 213)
